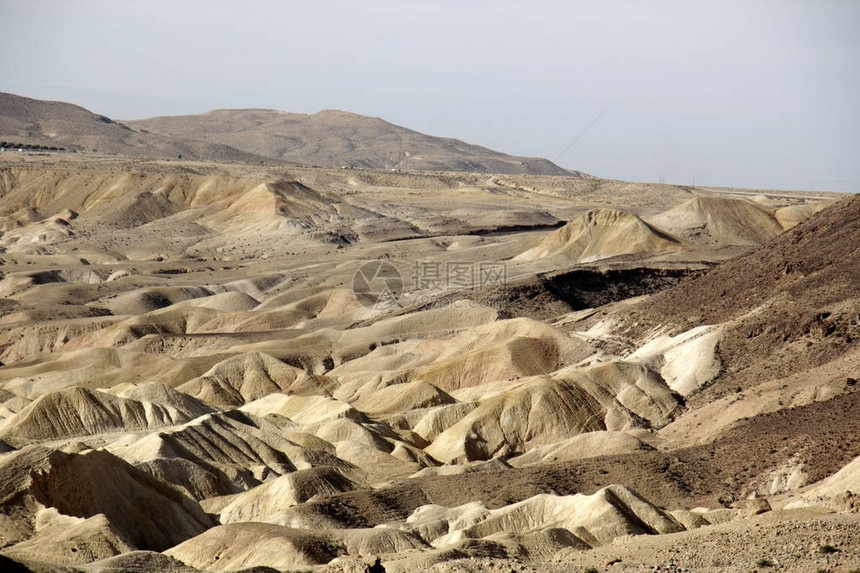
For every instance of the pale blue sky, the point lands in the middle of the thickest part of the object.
(741, 93)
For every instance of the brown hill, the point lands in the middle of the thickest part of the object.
(819, 259)
(328, 138)
(58, 124)
(787, 306)
(337, 138)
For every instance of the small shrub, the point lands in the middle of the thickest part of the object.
(764, 563)
(827, 549)
(589, 570)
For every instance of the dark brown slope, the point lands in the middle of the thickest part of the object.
(337, 138)
(56, 124)
(792, 303)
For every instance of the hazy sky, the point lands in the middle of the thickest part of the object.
(741, 93)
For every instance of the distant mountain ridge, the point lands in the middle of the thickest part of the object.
(337, 138)
(327, 138)
(49, 123)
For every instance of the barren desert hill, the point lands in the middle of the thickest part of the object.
(49, 123)
(602, 233)
(819, 259)
(797, 421)
(195, 332)
(338, 138)
(788, 305)
(733, 220)
(327, 138)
